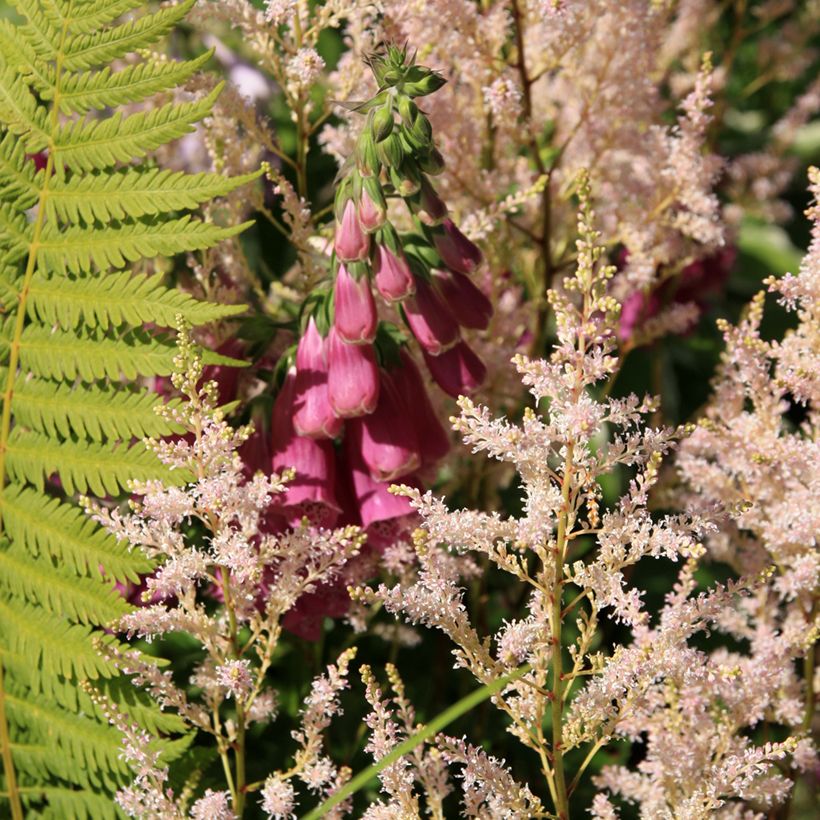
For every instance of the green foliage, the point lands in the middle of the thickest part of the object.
(71, 330)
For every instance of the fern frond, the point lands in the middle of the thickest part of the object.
(102, 47)
(61, 531)
(19, 111)
(92, 145)
(40, 582)
(98, 413)
(17, 174)
(15, 232)
(91, 15)
(83, 92)
(78, 804)
(110, 301)
(78, 249)
(136, 193)
(84, 467)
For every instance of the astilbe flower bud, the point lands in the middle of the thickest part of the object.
(353, 377)
(387, 438)
(434, 327)
(313, 416)
(355, 317)
(311, 490)
(456, 251)
(465, 301)
(352, 243)
(458, 371)
(392, 275)
(433, 439)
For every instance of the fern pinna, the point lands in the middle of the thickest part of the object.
(81, 200)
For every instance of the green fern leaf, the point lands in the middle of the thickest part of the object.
(17, 174)
(78, 249)
(98, 413)
(63, 533)
(77, 804)
(110, 301)
(19, 111)
(84, 467)
(90, 15)
(103, 89)
(103, 47)
(135, 193)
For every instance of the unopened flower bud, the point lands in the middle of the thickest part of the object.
(431, 162)
(430, 207)
(421, 81)
(456, 251)
(353, 377)
(458, 371)
(382, 123)
(352, 243)
(367, 160)
(390, 152)
(392, 275)
(431, 322)
(372, 209)
(355, 317)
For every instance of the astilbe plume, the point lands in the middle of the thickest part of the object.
(650, 681)
(209, 539)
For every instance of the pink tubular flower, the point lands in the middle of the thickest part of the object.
(464, 300)
(313, 416)
(434, 442)
(458, 372)
(456, 251)
(432, 209)
(431, 322)
(371, 216)
(352, 377)
(310, 492)
(352, 243)
(394, 281)
(387, 437)
(355, 316)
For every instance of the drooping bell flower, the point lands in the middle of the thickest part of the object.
(384, 515)
(387, 438)
(431, 322)
(392, 275)
(458, 371)
(371, 215)
(352, 244)
(456, 251)
(352, 377)
(434, 442)
(313, 416)
(465, 301)
(355, 316)
(311, 490)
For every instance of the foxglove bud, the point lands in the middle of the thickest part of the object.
(430, 207)
(458, 371)
(390, 152)
(352, 243)
(392, 275)
(465, 301)
(371, 212)
(387, 438)
(421, 81)
(382, 122)
(355, 317)
(313, 416)
(434, 442)
(313, 461)
(456, 251)
(430, 321)
(352, 379)
(367, 161)
(431, 162)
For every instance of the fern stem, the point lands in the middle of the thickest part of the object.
(8, 393)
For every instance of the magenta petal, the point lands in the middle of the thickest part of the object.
(355, 316)
(352, 243)
(456, 251)
(465, 301)
(353, 377)
(387, 438)
(431, 322)
(371, 216)
(313, 416)
(394, 281)
(432, 209)
(434, 441)
(458, 371)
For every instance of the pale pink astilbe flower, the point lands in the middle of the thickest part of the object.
(256, 576)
